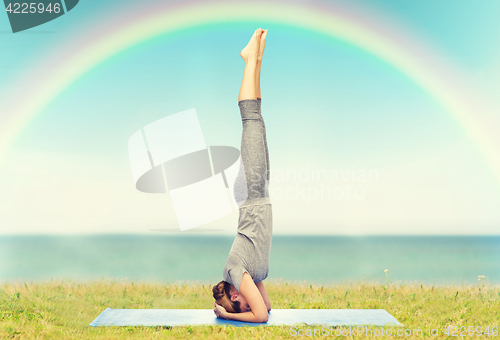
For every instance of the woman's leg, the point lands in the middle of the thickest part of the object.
(250, 54)
(252, 182)
(257, 90)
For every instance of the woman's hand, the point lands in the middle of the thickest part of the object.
(219, 311)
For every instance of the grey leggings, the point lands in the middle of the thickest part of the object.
(252, 184)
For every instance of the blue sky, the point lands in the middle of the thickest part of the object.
(327, 105)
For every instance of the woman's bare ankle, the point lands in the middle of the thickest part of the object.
(251, 60)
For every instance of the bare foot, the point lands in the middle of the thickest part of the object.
(251, 51)
(262, 45)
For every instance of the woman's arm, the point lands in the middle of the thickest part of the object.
(263, 293)
(254, 298)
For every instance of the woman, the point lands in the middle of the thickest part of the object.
(241, 295)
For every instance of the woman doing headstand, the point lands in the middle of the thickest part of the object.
(241, 294)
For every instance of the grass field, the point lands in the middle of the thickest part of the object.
(64, 309)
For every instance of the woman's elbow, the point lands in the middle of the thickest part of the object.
(262, 318)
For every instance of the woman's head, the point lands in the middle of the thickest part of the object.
(226, 295)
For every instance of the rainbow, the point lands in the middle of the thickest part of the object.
(366, 33)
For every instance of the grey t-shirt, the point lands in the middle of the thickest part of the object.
(251, 248)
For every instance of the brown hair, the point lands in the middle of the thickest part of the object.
(222, 296)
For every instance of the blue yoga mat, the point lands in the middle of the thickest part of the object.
(182, 317)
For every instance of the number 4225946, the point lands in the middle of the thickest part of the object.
(33, 7)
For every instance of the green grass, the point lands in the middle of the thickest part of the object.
(64, 309)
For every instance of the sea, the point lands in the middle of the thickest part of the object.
(317, 260)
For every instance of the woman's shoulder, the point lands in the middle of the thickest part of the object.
(235, 276)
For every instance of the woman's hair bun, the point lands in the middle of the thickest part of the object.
(219, 290)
